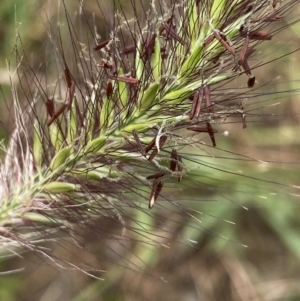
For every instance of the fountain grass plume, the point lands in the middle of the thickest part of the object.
(107, 137)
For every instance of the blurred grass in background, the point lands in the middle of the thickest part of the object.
(214, 268)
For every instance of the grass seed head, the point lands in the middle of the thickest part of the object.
(118, 100)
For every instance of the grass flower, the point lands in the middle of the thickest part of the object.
(114, 136)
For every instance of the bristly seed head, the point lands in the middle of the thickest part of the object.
(107, 143)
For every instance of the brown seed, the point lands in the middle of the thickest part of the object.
(50, 106)
(101, 45)
(173, 34)
(57, 114)
(162, 141)
(259, 36)
(109, 89)
(208, 40)
(199, 129)
(150, 145)
(244, 63)
(129, 49)
(156, 189)
(153, 154)
(211, 132)
(139, 143)
(155, 176)
(251, 81)
(173, 160)
(223, 40)
(208, 129)
(207, 97)
(273, 18)
(194, 105)
(176, 161)
(162, 27)
(246, 67)
(244, 49)
(66, 106)
(152, 195)
(197, 103)
(148, 50)
(68, 77)
(125, 79)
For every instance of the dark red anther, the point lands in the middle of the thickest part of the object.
(57, 114)
(109, 89)
(126, 79)
(50, 106)
(149, 48)
(68, 77)
(155, 176)
(139, 143)
(211, 132)
(223, 40)
(129, 49)
(251, 81)
(101, 45)
(197, 103)
(208, 129)
(156, 189)
(173, 160)
(162, 141)
(259, 35)
(207, 97)
(173, 34)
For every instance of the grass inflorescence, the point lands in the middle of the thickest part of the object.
(133, 122)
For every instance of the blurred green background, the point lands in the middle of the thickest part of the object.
(214, 268)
